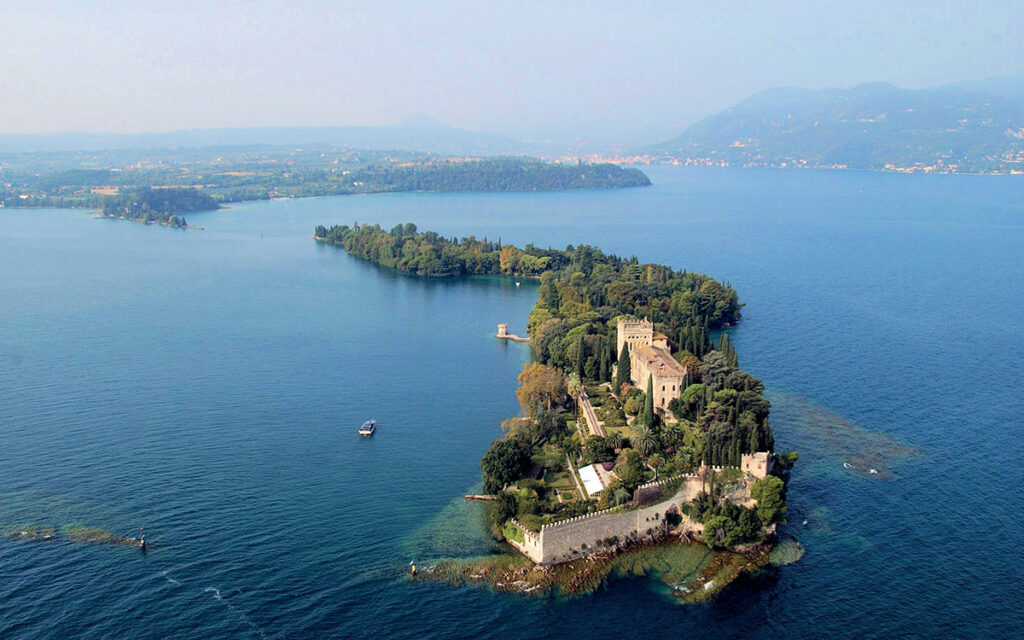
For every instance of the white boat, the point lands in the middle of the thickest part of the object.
(368, 428)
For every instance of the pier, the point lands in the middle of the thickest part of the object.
(503, 334)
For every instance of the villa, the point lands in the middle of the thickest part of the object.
(649, 357)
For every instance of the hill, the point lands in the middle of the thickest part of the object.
(871, 126)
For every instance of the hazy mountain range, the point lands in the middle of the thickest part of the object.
(975, 126)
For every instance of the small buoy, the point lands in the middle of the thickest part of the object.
(142, 541)
(412, 568)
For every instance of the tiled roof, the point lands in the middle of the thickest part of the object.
(661, 362)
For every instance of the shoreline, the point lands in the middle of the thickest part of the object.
(693, 572)
(101, 215)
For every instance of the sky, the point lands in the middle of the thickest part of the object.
(640, 70)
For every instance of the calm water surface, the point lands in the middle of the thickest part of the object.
(207, 385)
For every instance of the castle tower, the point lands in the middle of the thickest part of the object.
(635, 333)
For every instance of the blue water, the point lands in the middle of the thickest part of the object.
(207, 384)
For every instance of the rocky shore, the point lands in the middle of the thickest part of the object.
(692, 571)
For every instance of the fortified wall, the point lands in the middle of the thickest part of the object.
(575, 537)
(569, 539)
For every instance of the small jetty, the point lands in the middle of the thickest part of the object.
(475, 496)
(503, 334)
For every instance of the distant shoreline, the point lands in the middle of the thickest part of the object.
(100, 214)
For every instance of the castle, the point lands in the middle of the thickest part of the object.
(649, 356)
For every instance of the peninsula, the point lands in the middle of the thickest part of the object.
(638, 427)
(203, 179)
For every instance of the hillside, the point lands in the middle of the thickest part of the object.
(871, 126)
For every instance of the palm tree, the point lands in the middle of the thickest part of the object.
(645, 441)
(574, 386)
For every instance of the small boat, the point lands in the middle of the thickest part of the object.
(517, 283)
(847, 465)
(368, 428)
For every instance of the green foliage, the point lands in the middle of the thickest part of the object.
(158, 205)
(596, 449)
(770, 493)
(503, 508)
(630, 470)
(622, 371)
(512, 532)
(504, 462)
(634, 402)
(647, 417)
(244, 174)
(645, 441)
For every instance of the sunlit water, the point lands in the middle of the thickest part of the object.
(206, 385)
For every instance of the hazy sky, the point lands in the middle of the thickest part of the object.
(517, 67)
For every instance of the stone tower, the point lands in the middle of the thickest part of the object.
(635, 333)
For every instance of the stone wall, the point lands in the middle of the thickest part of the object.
(565, 540)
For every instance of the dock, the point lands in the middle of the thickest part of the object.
(503, 334)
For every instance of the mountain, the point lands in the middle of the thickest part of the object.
(419, 133)
(871, 126)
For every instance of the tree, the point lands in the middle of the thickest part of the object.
(634, 402)
(770, 493)
(622, 373)
(720, 531)
(715, 369)
(596, 449)
(573, 386)
(630, 469)
(647, 417)
(728, 350)
(645, 441)
(503, 508)
(504, 462)
(540, 386)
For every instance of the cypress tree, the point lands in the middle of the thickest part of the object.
(622, 373)
(602, 367)
(648, 415)
(581, 351)
(754, 440)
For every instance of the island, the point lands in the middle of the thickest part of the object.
(158, 206)
(639, 432)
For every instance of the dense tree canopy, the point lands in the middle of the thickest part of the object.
(164, 206)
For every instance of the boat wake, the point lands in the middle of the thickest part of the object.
(236, 611)
(170, 579)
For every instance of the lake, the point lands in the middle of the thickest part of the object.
(206, 385)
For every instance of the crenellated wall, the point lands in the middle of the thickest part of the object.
(565, 540)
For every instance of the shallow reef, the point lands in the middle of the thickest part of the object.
(692, 571)
(29, 532)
